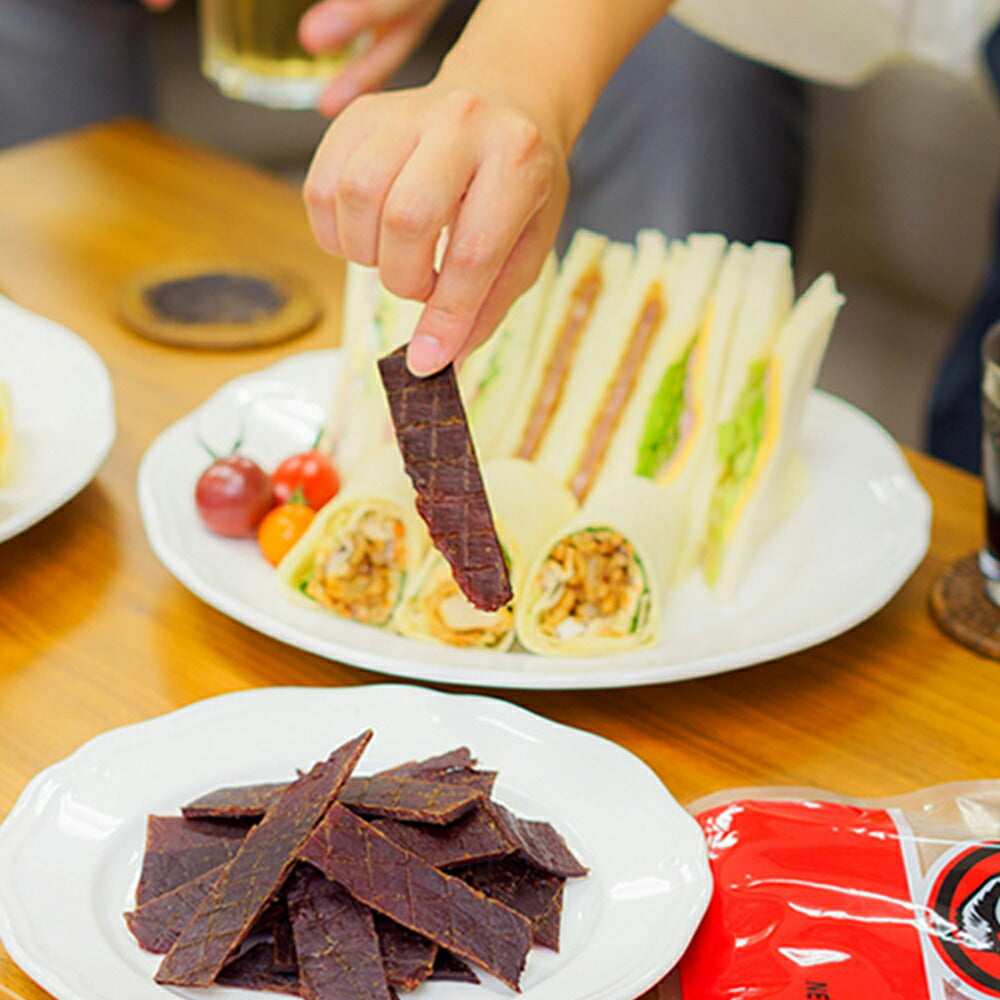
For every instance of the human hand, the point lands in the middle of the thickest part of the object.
(395, 169)
(397, 28)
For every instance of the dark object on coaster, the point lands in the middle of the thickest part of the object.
(961, 608)
(217, 304)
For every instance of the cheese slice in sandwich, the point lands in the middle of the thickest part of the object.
(596, 586)
(528, 505)
(493, 374)
(759, 472)
(356, 555)
(610, 360)
(591, 271)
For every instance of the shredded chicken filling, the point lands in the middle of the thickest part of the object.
(453, 620)
(359, 572)
(592, 584)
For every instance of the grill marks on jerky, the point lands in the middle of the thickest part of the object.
(439, 457)
(178, 851)
(256, 873)
(335, 940)
(413, 893)
(416, 798)
(518, 884)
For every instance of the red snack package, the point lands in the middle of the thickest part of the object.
(819, 897)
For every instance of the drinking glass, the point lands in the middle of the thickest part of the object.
(989, 556)
(250, 50)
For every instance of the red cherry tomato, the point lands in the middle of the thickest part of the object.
(281, 528)
(232, 495)
(310, 474)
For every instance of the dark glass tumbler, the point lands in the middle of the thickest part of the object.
(989, 556)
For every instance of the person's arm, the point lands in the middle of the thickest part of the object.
(482, 151)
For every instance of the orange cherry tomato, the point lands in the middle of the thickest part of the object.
(281, 528)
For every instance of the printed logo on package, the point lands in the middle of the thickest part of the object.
(963, 908)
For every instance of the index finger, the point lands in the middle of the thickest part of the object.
(497, 208)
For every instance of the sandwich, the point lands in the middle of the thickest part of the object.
(758, 471)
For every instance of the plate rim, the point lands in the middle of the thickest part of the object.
(101, 393)
(57, 777)
(632, 669)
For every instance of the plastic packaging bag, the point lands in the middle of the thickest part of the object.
(822, 897)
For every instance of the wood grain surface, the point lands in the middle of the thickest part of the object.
(95, 632)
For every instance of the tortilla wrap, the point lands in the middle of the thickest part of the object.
(528, 505)
(597, 585)
(355, 557)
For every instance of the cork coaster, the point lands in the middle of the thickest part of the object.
(217, 304)
(962, 610)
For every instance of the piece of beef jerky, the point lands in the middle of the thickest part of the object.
(254, 969)
(157, 923)
(178, 850)
(476, 836)
(235, 802)
(255, 874)
(439, 457)
(539, 843)
(450, 968)
(517, 883)
(413, 799)
(408, 957)
(285, 958)
(397, 795)
(458, 759)
(402, 886)
(335, 941)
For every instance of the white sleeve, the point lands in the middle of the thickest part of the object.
(845, 41)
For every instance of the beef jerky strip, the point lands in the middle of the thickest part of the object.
(439, 457)
(285, 958)
(258, 870)
(397, 796)
(453, 760)
(522, 887)
(456, 766)
(408, 957)
(476, 836)
(178, 850)
(255, 970)
(539, 843)
(335, 941)
(413, 893)
(410, 799)
(450, 968)
(157, 923)
(236, 802)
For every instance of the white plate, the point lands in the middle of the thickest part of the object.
(71, 848)
(845, 549)
(64, 415)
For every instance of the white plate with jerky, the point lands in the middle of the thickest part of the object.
(71, 850)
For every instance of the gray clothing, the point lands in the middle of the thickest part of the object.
(65, 63)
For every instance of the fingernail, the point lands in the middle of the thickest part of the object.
(425, 354)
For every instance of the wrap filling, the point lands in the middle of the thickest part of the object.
(592, 584)
(358, 570)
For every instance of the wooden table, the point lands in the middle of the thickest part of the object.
(96, 633)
